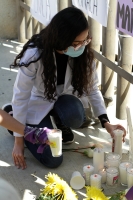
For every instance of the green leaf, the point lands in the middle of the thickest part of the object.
(44, 197)
(85, 153)
(117, 196)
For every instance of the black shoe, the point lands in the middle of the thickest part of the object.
(67, 134)
(8, 108)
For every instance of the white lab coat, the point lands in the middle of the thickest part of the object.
(29, 105)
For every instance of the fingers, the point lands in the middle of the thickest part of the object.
(123, 129)
(124, 135)
(120, 127)
(47, 142)
(19, 161)
(111, 134)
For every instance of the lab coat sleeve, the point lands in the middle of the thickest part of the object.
(22, 89)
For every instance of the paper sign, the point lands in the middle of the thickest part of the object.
(96, 9)
(124, 16)
(43, 10)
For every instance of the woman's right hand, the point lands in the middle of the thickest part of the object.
(18, 153)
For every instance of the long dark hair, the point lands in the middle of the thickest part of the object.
(65, 26)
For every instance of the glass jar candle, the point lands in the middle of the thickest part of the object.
(129, 177)
(123, 172)
(113, 160)
(112, 177)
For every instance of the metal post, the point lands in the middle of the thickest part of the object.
(20, 22)
(123, 86)
(28, 21)
(95, 32)
(63, 4)
(41, 26)
(35, 26)
(94, 28)
(109, 35)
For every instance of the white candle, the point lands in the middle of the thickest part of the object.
(113, 160)
(55, 139)
(118, 134)
(103, 175)
(95, 180)
(123, 172)
(130, 177)
(88, 171)
(98, 159)
(112, 176)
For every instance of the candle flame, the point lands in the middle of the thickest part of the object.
(103, 170)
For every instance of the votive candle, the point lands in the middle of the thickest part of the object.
(88, 171)
(95, 180)
(103, 175)
(123, 172)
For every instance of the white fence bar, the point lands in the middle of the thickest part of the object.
(20, 22)
(28, 21)
(123, 86)
(109, 36)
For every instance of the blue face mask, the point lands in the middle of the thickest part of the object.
(74, 53)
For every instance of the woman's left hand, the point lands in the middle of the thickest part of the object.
(110, 128)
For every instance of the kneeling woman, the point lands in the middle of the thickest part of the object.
(57, 77)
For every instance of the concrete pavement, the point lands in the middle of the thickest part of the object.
(28, 182)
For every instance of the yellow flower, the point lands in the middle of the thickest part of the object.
(95, 194)
(55, 186)
(52, 178)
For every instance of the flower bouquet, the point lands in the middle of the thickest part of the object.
(56, 189)
(96, 194)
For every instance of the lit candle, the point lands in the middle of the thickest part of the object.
(95, 180)
(130, 177)
(123, 172)
(112, 176)
(103, 175)
(117, 141)
(88, 171)
(98, 159)
(113, 160)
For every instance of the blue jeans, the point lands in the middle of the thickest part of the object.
(71, 113)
